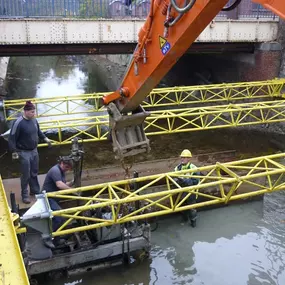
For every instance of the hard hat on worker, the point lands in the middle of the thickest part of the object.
(186, 153)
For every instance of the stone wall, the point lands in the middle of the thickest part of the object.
(266, 65)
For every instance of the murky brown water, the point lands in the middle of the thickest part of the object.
(44, 77)
(236, 245)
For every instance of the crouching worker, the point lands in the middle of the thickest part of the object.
(189, 215)
(55, 181)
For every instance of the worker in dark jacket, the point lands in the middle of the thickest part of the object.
(55, 181)
(186, 155)
(23, 142)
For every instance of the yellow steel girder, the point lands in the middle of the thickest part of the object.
(92, 129)
(229, 181)
(12, 268)
(159, 97)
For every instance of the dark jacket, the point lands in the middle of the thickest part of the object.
(25, 134)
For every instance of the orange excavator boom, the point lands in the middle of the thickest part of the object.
(169, 30)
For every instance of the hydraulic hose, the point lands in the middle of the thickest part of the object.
(185, 8)
(231, 7)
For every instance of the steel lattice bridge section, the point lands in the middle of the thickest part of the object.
(229, 181)
(197, 111)
(158, 98)
(92, 129)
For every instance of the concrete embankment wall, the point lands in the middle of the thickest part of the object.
(281, 39)
(4, 61)
(109, 68)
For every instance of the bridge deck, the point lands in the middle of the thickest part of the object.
(113, 31)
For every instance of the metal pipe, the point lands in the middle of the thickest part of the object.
(14, 207)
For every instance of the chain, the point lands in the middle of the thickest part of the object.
(127, 168)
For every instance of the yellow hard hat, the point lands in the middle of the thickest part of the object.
(186, 153)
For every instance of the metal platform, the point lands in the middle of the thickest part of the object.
(12, 268)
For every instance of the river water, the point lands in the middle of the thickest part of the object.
(235, 245)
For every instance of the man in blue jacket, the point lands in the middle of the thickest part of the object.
(23, 142)
(55, 180)
(188, 215)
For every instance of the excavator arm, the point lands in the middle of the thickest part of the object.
(169, 30)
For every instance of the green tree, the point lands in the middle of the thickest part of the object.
(93, 8)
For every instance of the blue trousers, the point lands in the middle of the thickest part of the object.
(56, 221)
(29, 166)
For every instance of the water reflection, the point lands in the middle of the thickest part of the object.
(25, 73)
(234, 245)
(70, 83)
(53, 77)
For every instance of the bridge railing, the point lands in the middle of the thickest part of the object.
(108, 9)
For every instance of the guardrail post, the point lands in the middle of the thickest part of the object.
(64, 8)
(53, 10)
(27, 8)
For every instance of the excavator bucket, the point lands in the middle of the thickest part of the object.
(127, 132)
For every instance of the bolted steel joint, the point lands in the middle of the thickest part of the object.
(124, 92)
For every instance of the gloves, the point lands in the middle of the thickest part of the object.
(15, 156)
(48, 142)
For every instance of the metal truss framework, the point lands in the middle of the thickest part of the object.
(95, 128)
(12, 269)
(160, 97)
(230, 181)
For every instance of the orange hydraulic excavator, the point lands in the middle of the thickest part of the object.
(169, 30)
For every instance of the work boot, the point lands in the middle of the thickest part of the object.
(26, 200)
(193, 223)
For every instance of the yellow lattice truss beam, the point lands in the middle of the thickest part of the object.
(92, 129)
(159, 97)
(160, 194)
(12, 268)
